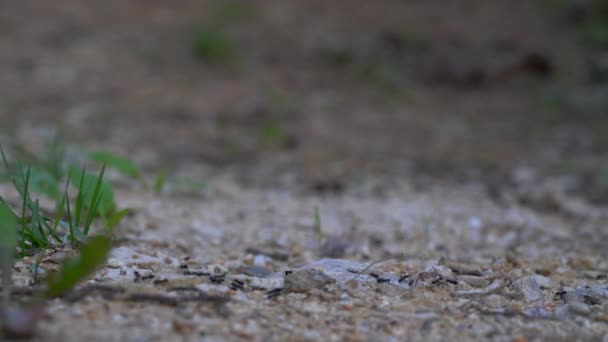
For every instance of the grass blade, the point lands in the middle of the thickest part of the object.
(80, 199)
(4, 160)
(70, 222)
(8, 243)
(60, 209)
(24, 191)
(36, 225)
(95, 201)
(161, 180)
(116, 217)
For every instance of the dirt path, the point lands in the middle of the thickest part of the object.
(459, 144)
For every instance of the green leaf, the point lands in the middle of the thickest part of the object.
(119, 163)
(92, 255)
(80, 198)
(117, 216)
(8, 227)
(94, 205)
(212, 45)
(8, 242)
(43, 182)
(161, 180)
(60, 209)
(23, 189)
(272, 133)
(53, 158)
(93, 189)
(35, 223)
(4, 160)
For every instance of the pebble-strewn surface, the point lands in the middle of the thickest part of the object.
(421, 266)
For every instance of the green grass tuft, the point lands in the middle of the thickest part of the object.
(25, 229)
(71, 222)
(213, 46)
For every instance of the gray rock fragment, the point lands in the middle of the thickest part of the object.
(566, 311)
(528, 289)
(579, 308)
(256, 271)
(542, 281)
(537, 312)
(306, 280)
(340, 270)
(473, 281)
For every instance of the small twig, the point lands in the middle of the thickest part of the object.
(183, 288)
(318, 227)
(152, 297)
(173, 301)
(19, 291)
(370, 266)
(494, 287)
(120, 293)
(274, 293)
(82, 292)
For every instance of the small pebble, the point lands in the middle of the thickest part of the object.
(260, 260)
(528, 289)
(580, 308)
(306, 280)
(256, 271)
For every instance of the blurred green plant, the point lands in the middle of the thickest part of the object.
(28, 230)
(272, 133)
(212, 45)
(590, 17)
(20, 321)
(8, 243)
(48, 171)
(279, 105)
(114, 161)
(91, 256)
(212, 41)
(161, 180)
(37, 230)
(595, 26)
(51, 161)
(94, 194)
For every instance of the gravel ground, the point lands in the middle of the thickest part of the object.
(250, 264)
